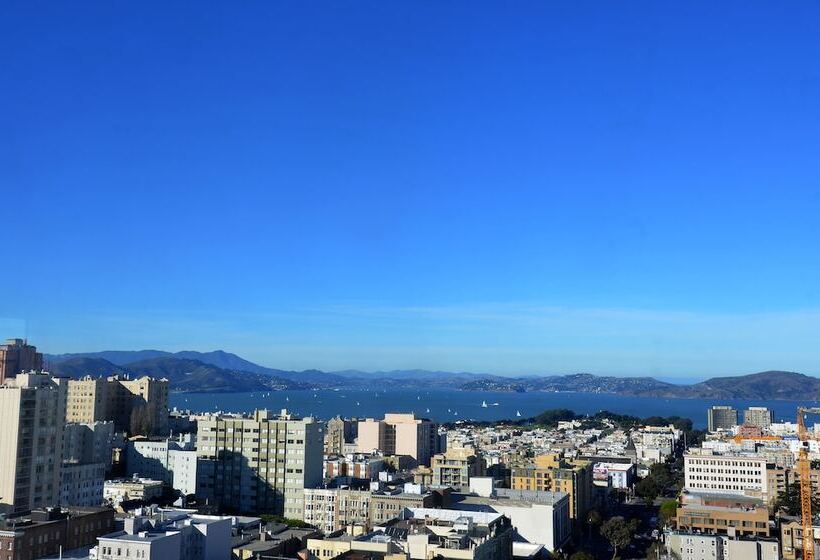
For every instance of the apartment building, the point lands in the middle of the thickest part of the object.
(171, 460)
(340, 432)
(791, 538)
(538, 517)
(354, 465)
(116, 398)
(399, 434)
(260, 463)
(691, 546)
(118, 491)
(552, 473)
(87, 456)
(759, 416)
(721, 418)
(42, 533)
(721, 514)
(169, 535)
(333, 509)
(424, 533)
(17, 356)
(455, 466)
(729, 473)
(32, 416)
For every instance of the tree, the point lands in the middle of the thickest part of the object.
(648, 489)
(619, 532)
(789, 500)
(660, 473)
(669, 508)
(593, 520)
(582, 555)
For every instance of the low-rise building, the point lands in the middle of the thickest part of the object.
(692, 546)
(791, 538)
(354, 465)
(722, 514)
(116, 492)
(538, 517)
(46, 532)
(620, 476)
(168, 535)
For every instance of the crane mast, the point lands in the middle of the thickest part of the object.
(804, 471)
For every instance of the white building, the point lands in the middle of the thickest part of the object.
(168, 535)
(614, 475)
(171, 460)
(743, 474)
(81, 484)
(653, 444)
(538, 517)
(688, 546)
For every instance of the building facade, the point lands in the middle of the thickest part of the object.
(759, 416)
(261, 463)
(43, 533)
(552, 473)
(32, 416)
(340, 432)
(742, 474)
(456, 466)
(721, 418)
(399, 434)
(120, 399)
(17, 356)
(171, 460)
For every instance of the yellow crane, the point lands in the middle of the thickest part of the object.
(804, 472)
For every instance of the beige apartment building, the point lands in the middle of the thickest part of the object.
(115, 398)
(32, 416)
(552, 473)
(456, 466)
(340, 432)
(17, 356)
(399, 434)
(259, 464)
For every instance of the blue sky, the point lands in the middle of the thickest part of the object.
(626, 188)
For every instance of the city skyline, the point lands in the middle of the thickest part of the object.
(626, 190)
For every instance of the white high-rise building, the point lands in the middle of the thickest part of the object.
(32, 415)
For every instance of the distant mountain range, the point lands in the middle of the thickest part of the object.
(220, 371)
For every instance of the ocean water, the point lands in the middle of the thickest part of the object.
(449, 405)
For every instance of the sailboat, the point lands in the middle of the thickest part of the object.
(483, 404)
(428, 410)
(518, 413)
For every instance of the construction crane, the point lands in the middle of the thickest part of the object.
(804, 472)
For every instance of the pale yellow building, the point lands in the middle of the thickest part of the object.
(115, 398)
(32, 416)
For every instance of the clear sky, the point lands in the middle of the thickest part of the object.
(612, 187)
